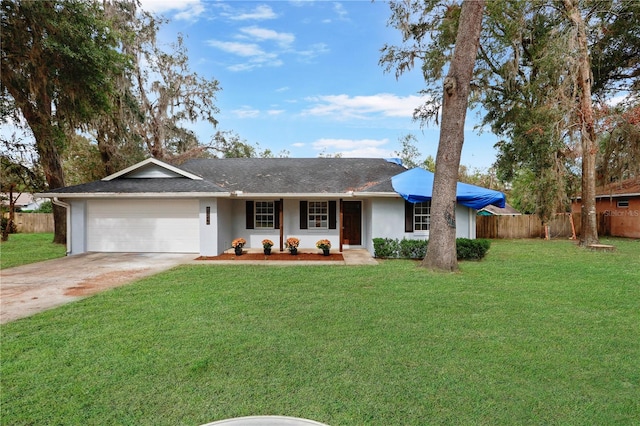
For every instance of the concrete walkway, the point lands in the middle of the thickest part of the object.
(358, 257)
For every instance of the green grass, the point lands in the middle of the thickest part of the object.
(22, 249)
(537, 333)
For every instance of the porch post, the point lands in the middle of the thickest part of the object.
(281, 216)
(341, 225)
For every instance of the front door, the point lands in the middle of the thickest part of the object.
(352, 223)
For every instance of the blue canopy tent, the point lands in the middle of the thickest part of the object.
(416, 185)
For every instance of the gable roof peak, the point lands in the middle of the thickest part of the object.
(152, 163)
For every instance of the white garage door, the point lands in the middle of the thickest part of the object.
(169, 226)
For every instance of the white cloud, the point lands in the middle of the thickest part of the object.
(252, 49)
(264, 46)
(340, 10)
(237, 48)
(257, 56)
(188, 10)
(363, 107)
(313, 51)
(367, 148)
(264, 34)
(246, 112)
(261, 12)
(190, 14)
(257, 63)
(300, 3)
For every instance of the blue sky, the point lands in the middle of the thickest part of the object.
(303, 77)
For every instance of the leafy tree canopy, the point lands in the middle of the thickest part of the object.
(525, 77)
(228, 144)
(58, 60)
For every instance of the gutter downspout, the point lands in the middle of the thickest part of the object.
(59, 203)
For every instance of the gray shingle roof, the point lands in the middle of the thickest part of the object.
(296, 175)
(506, 210)
(260, 175)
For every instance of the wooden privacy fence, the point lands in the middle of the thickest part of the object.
(28, 223)
(508, 227)
(530, 226)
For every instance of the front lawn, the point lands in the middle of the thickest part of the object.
(29, 248)
(538, 333)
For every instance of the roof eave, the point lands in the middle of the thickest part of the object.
(376, 194)
(134, 194)
(632, 194)
(289, 195)
(234, 194)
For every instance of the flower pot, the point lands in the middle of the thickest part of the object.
(267, 251)
(238, 250)
(293, 250)
(325, 252)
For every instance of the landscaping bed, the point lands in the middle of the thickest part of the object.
(275, 256)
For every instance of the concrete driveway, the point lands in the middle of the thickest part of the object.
(26, 290)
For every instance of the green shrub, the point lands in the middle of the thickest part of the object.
(394, 249)
(466, 249)
(413, 249)
(385, 247)
(4, 222)
(46, 207)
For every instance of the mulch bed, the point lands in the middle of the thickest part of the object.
(275, 256)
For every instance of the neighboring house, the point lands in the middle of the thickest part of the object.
(202, 205)
(491, 210)
(23, 201)
(618, 208)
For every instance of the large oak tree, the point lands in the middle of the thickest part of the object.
(58, 59)
(441, 252)
(531, 79)
(458, 29)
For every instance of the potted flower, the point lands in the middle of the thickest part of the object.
(266, 245)
(237, 245)
(325, 246)
(292, 245)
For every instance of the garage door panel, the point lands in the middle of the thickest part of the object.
(143, 226)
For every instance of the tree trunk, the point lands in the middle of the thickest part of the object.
(50, 161)
(35, 102)
(441, 251)
(589, 233)
(12, 216)
(46, 136)
(106, 151)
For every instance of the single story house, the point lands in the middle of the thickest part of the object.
(618, 208)
(22, 201)
(202, 205)
(491, 210)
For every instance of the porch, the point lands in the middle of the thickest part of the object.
(356, 256)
